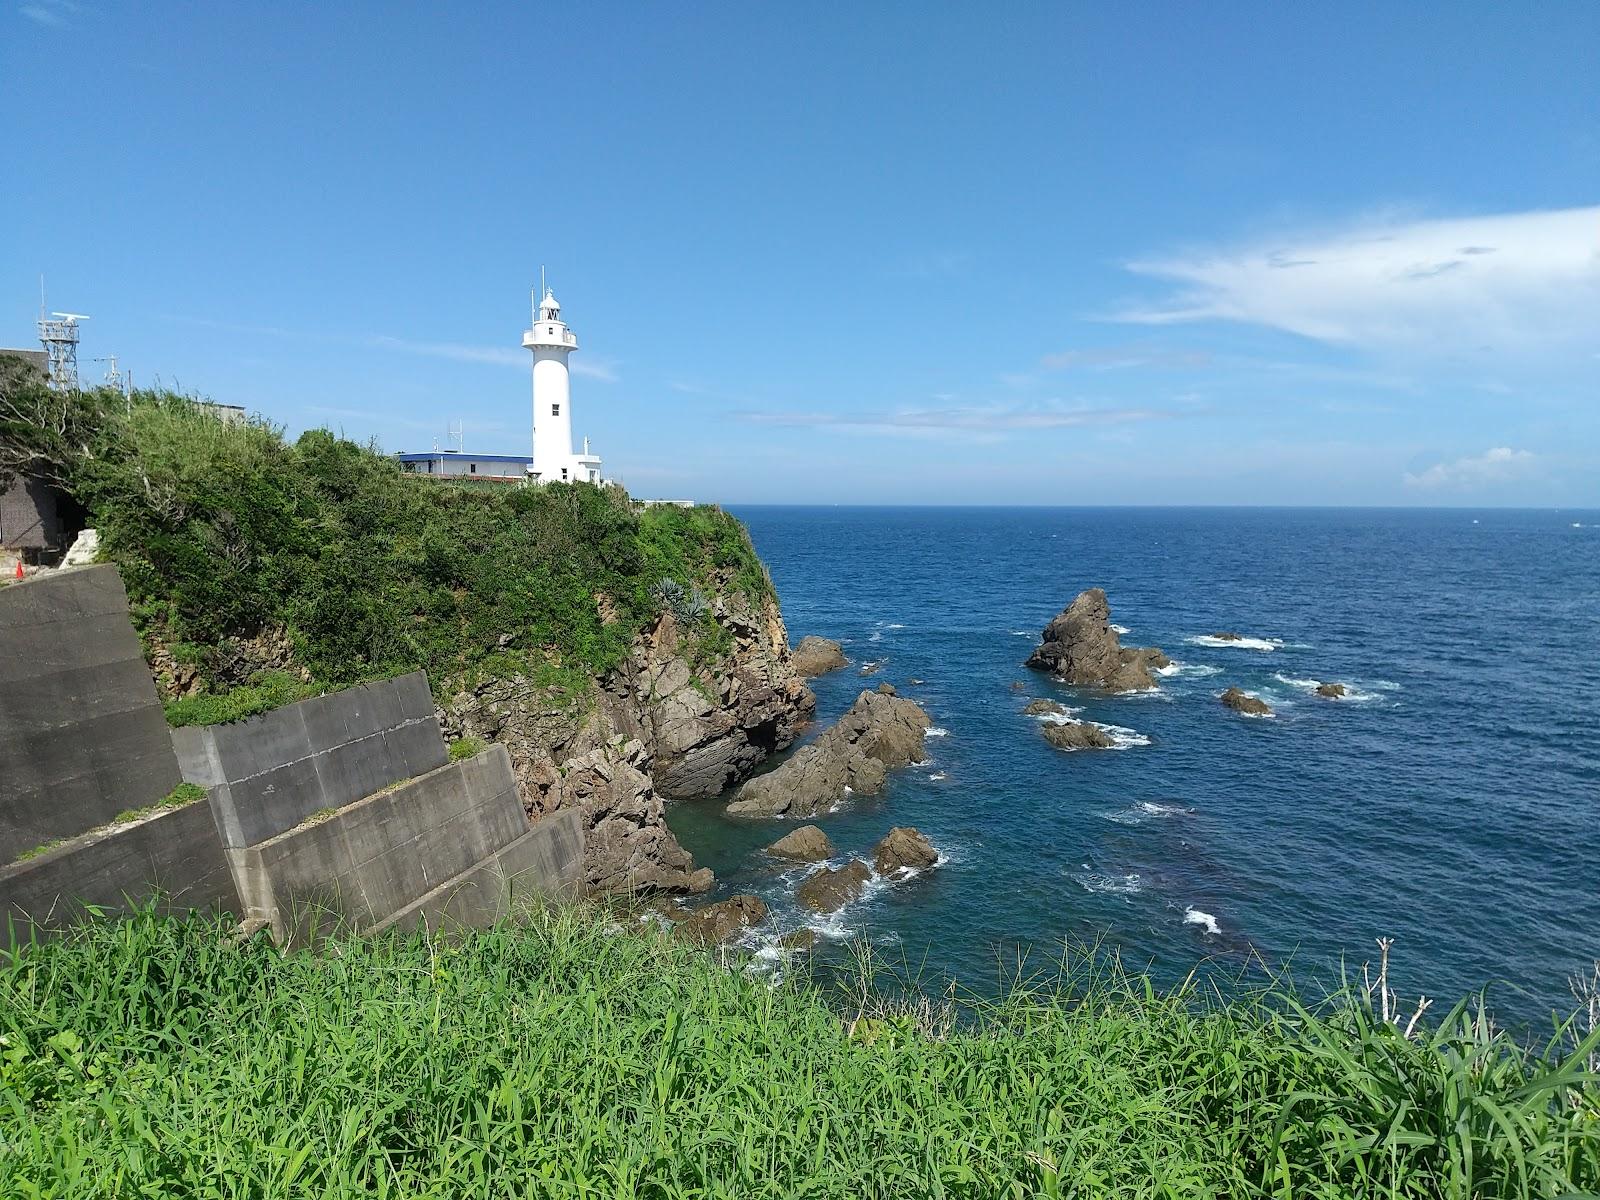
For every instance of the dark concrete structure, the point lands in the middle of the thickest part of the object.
(82, 734)
(173, 853)
(30, 516)
(403, 854)
(268, 774)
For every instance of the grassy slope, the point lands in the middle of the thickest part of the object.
(223, 531)
(564, 1058)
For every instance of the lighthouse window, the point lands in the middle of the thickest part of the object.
(563, 474)
(472, 468)
(555, 410)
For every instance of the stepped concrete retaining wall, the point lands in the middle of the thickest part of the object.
(174, 853)
(82, 735)
(267, 774)
(418, 841)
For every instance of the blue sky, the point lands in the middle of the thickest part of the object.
(885, 253)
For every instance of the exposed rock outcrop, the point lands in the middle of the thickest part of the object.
(1081, 648)
(806, 844)
(723, 921)
(1331, 690)
(879, 732)
(817, 656)
(1243, 702)
(903, 848)
(656, 728)
(1044, 708)
(831, 888)
(1228, 635)
(1077, 735)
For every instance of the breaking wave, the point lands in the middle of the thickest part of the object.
(1113, 885)
(1266, 645)
(1208, 923)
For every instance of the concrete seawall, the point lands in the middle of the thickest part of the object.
(343, 810)
(268, 774)
(82, 735)
(173, 853)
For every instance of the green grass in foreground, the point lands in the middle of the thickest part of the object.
(151, 1057)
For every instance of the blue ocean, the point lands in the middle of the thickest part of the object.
(1450, 801)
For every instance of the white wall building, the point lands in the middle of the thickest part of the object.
(551, 341)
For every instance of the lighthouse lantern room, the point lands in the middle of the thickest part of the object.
(551, 341)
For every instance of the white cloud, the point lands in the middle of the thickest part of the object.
(53, 13)
(499, 356)
(974, 423)
(1499, 465)
(1510, 282)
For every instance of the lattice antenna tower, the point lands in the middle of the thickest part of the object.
(58, 334)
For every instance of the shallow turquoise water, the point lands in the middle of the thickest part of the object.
(1453, 804)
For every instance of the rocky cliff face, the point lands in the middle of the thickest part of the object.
(663, 726)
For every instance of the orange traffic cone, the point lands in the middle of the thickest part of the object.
(20, 574)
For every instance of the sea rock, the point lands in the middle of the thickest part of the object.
(1331, 690)
(903, 848)
(831, 888)
(872, 668)
(1078, 735)
(627, 845)
(1042, 708)
(806, 844)
(1227, 635)
(886, 689)
(1081, 648)
(817, 656)
(723, 921)
(1242, 702)
(879, 733)
(799, 940)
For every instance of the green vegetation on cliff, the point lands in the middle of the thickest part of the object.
(225, 533)
(153, 1057)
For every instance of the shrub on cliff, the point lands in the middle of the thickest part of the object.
(224, 531)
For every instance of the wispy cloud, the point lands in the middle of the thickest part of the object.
(52, 13)
(1509, 282)
(1499, 465)
(979, 423)
(1116, 358)
(498, 356)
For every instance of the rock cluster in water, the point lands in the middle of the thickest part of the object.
(1243, 702)
(1078, 735)
(881, 731)
(1331, 690)
(831, 888)
(903, 848)
(723, 921)
(817, 656)
(1080, 647)
(806, 844)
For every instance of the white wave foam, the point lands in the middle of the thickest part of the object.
(1151, 808)
(1120, 629)
(1188, 670)
(937, 731)
(1146, 810)
(1061, 718)
(1020, 633)
(937, 776)
(1353, 693)
(877, 636)
(1265, 645)
(1194, 916)
(1124, 737)
(894, 625)
(1114, 885)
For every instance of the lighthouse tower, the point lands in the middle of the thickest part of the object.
(551, 341)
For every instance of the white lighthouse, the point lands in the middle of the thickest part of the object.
(551, 341)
